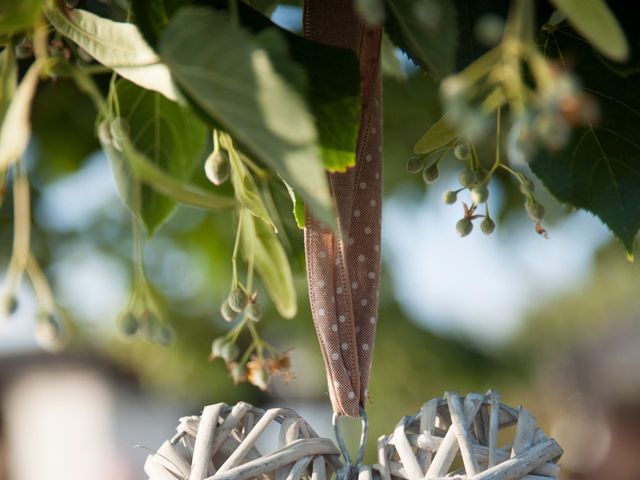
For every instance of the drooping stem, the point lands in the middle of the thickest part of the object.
(236, 247)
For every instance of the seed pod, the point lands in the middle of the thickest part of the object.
(238, 373)
(467, 178)
(237, 299)
(217, 167)
(527, 187)
(481, 175)
(450, 197)
(229, 352)
(461, 152)
(534, 210)
(415, 164)
(487, 226)
(489, 29)
(260, 378)
(479, 194)
(49, 332)
(254, 312)
(227, 312)
(8, 306)
(464, 227)
(164, 335)
(128, 324)
(431, 174)
(216, 347)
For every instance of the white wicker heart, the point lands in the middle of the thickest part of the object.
(450, 437)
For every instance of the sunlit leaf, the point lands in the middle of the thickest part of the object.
(245, 188)
(271, 263)
(117, 45)
(440, 134)
(426, 30)
(233, 80)
(16, 126)
(298, 206)
(594, 21)
(169, 135)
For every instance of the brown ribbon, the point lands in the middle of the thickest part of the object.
(343, 267)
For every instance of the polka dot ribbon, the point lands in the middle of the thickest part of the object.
(343, 266)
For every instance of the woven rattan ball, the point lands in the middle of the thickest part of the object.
(221, 445)
(454, 437)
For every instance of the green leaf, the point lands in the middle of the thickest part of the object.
(594, 21)
(116, 45)
(232, 79)
(440, 134)
(18, 15)
(152, 16)
(15, 132)
(600, 169)
(169, 135)
(298, 206)
(271, 263)
(244, 186)
(426, 30)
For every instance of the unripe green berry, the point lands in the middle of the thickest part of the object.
(238, 299)
(450, 197)
(229, 351)
(431, 174)
(49, 331)
(479, 194)
(216, 347)
(254, 311)
(527, 187)
(534, 210)
(467, 178)
(128, 324)
(163, 335)
(8, 306)
(217, 167)
(238, 373)
(461, 151)
(464, 227)
(481, 175)
(260, 378)
(227, 312)
(415, 164)
(487, 226)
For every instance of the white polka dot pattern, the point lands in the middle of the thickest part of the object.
(344, 265)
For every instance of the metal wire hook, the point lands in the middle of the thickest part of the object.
(350, 470)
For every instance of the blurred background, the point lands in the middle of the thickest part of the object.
(550, 323)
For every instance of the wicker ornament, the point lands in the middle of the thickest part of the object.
(449, 431)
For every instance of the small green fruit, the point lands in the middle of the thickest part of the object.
(164, 335)
(464, 227)
(128, 324)
(254, 312)
(227, 312)
(467, 178)
(415, 164)
(8, 306)
(487, 226)
(217, 167)
(461, 151)
(238, 299)
(527, 187)
(238, 373)
(216, 347)
(49, 331)
(450, 197)
(534, 210)
(229, 351)
(431, 174)
(479, 194)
